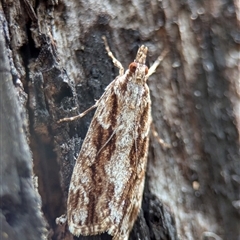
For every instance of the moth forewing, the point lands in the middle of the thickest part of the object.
(107, 183)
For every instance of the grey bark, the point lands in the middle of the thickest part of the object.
(20, 204)
(193, 176)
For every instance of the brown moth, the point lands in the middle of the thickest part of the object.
(106, 188)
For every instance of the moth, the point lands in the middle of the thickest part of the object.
(106, 187)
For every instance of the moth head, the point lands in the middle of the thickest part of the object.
(138, 69)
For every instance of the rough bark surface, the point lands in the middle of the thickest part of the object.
(59, 66)
(20, 204)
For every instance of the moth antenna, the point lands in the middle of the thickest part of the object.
(153, 68)
(114, 60)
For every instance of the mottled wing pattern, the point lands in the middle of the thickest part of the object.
(106, 188)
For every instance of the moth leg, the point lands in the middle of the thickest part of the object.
(61, 220)
(153, 68)
(107, 141)
(160, 140)
(69, 119)
(114, 60)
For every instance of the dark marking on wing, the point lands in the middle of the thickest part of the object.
(124, 84)
(74, 198)
(114, 111)
(91, 218)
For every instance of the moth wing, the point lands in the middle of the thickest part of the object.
(107, 182)
(86, 199)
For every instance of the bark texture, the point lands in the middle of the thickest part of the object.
(58, 66)
(20, 204)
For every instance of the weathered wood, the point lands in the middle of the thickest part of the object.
(20, 204)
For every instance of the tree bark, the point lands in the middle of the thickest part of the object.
(59, 64)
(19, 202)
